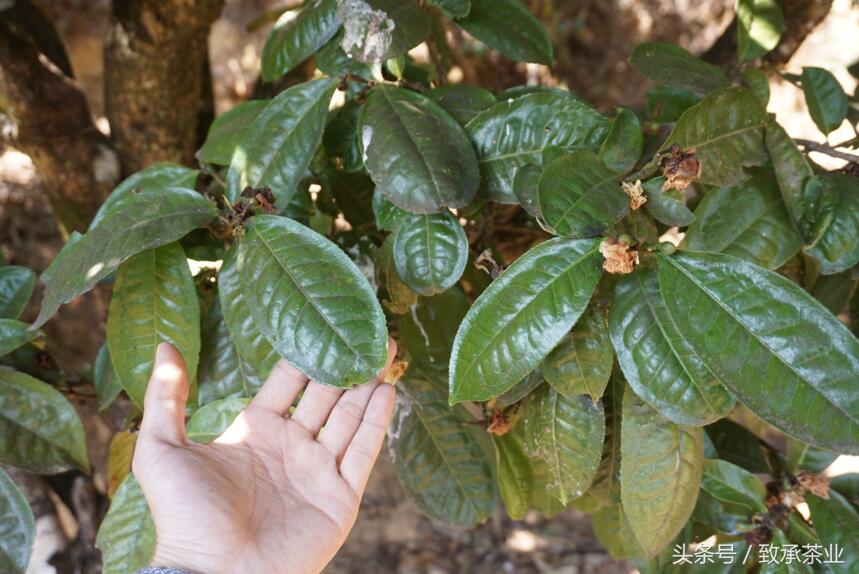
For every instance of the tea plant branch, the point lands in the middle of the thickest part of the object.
(826, 149)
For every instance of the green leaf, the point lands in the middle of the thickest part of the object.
(726, 130)
(296, 37)
(341, 137)
(140, 221)
(543, 498)
(836, 232)
(847, 485)
(665, 104)
(668, 207)
(311, 302)
(520, 390)
(442, 461)
(223, 373)
(430, 252)
(154, 177)
(126, 536)
(353, 193)
(211, 420)
(251, 345)
(378, 30)
(729, 483)
(837, 523)
(660, 365)
(417, 155)
(17, 527)
(428, 329)
(154, 301)
(454, 8)
(39, 429)
(660, 471)
(395, 295)
(105, 381)
(567, 433)
(802, 456)
(622, 147)
(748, 220)
(388, 216)
(758, 83)
(281, 141)
(333, 61)
(605, 488)
(14, 334)
(581, 363)
(775, 561)
(759, 26)
(580, 196)
(227, 132)
(526, 188)
(522, 316)
(462, 102)
(509, 27)
(736, 444)
(16, 286)
(747, 323)
(607, 524)
(792, 171)
(670, 64)
(826, 100)
(514, 133)
(515, 474)
(834, 291)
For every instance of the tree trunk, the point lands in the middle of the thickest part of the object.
(153, 89)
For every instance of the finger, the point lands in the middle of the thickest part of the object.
(362, 452)
(344, 420)
(280, 389)
(166, 395)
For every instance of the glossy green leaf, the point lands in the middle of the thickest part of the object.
(520, 390)
(581, 363)
(834, 291)
(155, 177)
(579, 196)
(394, 294)
(825, 98)
(802, 456)
(514, 133)
(847, 485)
(340, 139)
(16, 287)
(281, 141)
(670, 64)
(836, 522)
(105, 381)
(748, 220)
(668, 207)
(154, 301)
(296, 37)
(14, 334)
(442, 461)
(140, 221)
(605, 488)
(454, 8)
(727, 131)
(660, 472)
(509, 27)
(311, 302)
(17, 527)
(758, 83)
(750, 324)
(736, 444)
(333, 61)
(665, 104)
(836, 232)
(526, 188)
(543, 498)
(660, 365)
(515, 474)
(388, 216)
(759, 26)
(126, 536)
(251, 345)
(430, 252)
(730, 483)
(211, 420)
(792, 171)
(567, 433)
(417, 155)
(622, 147)
(39, 429)
(378, 30)
(522, 316)
(461, 101)
(223, 373)
(227, 132)
(428, 329)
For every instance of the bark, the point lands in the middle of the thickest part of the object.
(75, 161)
(153, 52)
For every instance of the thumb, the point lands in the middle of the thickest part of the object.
(166, 395)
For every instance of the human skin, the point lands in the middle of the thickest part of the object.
(278, 491)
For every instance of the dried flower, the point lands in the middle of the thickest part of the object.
(816, 484)
(680, 168)
(635, 193)
(619, 258)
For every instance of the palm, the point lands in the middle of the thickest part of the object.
(272, 494)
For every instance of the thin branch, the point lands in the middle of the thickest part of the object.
(828, 150)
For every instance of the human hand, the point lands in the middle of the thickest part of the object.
(277, 492)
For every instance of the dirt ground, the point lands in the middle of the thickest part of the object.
(391, 535)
